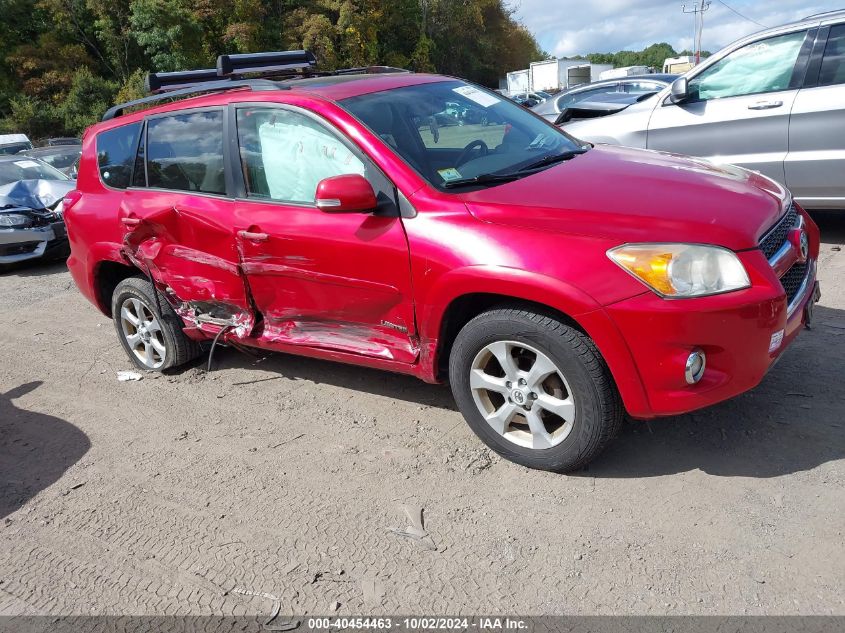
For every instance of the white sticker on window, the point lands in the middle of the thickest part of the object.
(449, 174)
(26, 164)
(484, 99)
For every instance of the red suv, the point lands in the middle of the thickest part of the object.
(556, 285)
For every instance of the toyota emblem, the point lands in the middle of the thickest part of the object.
(804, 244)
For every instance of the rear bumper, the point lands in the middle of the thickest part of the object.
(742, 334)
(20, 245)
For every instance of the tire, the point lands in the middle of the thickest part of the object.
(161, 343)
(577, 403)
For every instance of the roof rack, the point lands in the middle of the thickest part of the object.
(213, 86)
(230, 74)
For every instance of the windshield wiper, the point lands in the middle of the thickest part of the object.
(554, 158)
(481, 179)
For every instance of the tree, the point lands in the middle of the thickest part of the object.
(169, 33)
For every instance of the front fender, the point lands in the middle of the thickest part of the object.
(517, 284)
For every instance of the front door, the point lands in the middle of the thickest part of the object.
(739, 107)
(815, 165)
(332, 281)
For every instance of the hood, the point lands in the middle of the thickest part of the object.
(631, 195)
(35, 194)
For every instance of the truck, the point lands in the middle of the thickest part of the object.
(625, 71)
(678, 65)
(552, 75)
(518, 81)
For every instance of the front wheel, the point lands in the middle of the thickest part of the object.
(534, 389)
(149, 330)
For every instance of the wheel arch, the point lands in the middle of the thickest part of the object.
(107, 275)
(472, 292)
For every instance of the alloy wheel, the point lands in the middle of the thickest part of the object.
(143, 333)
(522, 394)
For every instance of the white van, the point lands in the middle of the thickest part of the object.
(14, 143)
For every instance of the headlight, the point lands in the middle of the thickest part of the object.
(13, 221)
(682, 270)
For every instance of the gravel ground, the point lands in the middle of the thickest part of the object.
(277, 479)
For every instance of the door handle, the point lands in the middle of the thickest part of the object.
(253, 237)
(765, 105)
(130, 221)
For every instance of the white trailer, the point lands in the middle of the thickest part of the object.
(518, 81)
(558, 74)
(625, 71)
(597, 69)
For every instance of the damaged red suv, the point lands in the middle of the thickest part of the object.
(419, 224)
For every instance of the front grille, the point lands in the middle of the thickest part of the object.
(23, 248)
(792, 279)
(776, 236)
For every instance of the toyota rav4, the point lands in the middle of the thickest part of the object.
(554, 284)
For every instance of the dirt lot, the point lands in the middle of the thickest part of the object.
(197, 493)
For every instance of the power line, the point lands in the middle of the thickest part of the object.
(744, 17)
(697, 11)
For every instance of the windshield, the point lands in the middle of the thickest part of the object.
(27, 169)
(61, 161)
(14, 148)
(451, 131)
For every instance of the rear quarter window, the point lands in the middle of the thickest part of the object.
(116, 150)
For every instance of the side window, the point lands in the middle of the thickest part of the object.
(833, 63)
(116, 154)
(286, 154)
(185, 152)
(763, 66)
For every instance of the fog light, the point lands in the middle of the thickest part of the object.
(696, 363)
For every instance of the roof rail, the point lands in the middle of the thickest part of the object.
(824, 14)
(213, 86)
(369, 70)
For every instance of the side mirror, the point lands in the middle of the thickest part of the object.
(679, 91)
(351, 193)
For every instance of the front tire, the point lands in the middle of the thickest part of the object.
(534, 389)
(153, 340)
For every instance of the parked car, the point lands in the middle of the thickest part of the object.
(63, 140)
(31, 201)
(14, 143)
(773, 102)
(62, 157)
(555, 285)
(634, 87)
(530, 99)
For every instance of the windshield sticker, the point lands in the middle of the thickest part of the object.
(449, 174)
(483, 99)
(26, 164)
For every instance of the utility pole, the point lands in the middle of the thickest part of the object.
(698, 10)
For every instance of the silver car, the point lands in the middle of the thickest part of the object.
(773, 102)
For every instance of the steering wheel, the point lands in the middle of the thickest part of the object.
(474, 146)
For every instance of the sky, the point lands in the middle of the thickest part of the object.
(572, 27)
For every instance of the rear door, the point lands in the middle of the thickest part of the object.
(739, 106)
(333, 281)
(815, 165)
(178, 217)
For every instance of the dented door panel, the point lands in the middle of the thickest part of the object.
(329, 281)
(187, 244)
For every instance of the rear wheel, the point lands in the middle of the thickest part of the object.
(153, 339)
(534, 389)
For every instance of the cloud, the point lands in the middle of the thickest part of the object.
(573, 27)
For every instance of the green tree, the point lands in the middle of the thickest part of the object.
(86, 101)
(169, 33)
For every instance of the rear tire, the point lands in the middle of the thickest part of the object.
(534, 389)
(153, 340)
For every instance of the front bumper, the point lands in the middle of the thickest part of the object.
(742, 334)
(20, 245)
